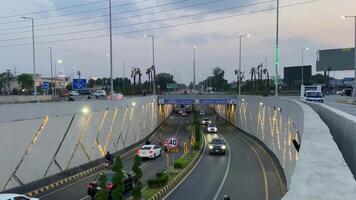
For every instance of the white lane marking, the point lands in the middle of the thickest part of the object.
(196, 164)
(86, 197)
(180, 124)
(226, 172)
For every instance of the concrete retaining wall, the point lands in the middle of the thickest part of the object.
(343, 129)
(23, 98)
(51, 137)
(319, 170)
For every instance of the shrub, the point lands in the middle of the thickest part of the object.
(160, 180)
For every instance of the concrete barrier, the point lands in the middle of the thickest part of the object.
(343, 129)
(23, 98)
(39, 140)
(319, 170)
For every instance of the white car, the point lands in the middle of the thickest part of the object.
(183, 114)
(15, 197)
(100, 93)
(212, 128)
(202, 112)
(314, 96)
(206, 121)
(74, 93)
(149, 151)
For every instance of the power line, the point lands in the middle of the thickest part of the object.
(86, 18)
(140, 23)
(167, 26)
(86, 11)
(51, 10)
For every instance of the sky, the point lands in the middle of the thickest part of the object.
(62, 25)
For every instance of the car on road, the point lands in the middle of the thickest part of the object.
(206, 121)
(73, 93)
(93, 187)
(217, 146)
(149, 151)
(314, 96)
(15, 197)
(100, 93)
(212, 128)
(202, 112)
(183, 114)
(117, 96)
(346, 92)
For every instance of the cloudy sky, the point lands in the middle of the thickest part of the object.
(63, 25)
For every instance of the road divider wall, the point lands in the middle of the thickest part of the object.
(41, 140)
(284, 125)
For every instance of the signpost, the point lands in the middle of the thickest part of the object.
(172, 145)
(79, 84)
(171, 86)
(45, 86)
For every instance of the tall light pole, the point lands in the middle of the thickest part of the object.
(277, 54)
(239, 72)
(59, 61)
(153, 61)
(51, 60)
(354, 90)
(111, 61)
(194, 48)
(304, 49)
(33, 57)
(123, 77)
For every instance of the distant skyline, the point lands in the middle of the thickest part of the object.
(316, 25)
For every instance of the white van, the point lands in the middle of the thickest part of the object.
(100, 93)
(315, 96)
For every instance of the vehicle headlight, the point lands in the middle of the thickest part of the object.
(210, 146)
(223, 147)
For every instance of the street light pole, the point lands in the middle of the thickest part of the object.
(303, 64)
(33, 57)
(277, 54)
(50, 56)
(239, 71)
(194, 48)
(354, 89)
(111, 61)
(153, 61)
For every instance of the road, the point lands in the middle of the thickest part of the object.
(175, 125)
(245, 172)
(330, 100)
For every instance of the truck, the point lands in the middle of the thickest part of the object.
(312, 93)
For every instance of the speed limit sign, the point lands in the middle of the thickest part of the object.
(172, 142)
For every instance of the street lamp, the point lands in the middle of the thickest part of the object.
(194, 48)
(239, 72)
(276, 53)
(111, 61)
(304, 49)
(354, 90)
(51, 60)
(33, 56)
(153, 61)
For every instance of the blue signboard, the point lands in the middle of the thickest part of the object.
(215, 101)
(179, 101)
(79, 84)
(45, 85)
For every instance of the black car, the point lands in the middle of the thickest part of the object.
(217, 146)
(346, 92)
(93, 187)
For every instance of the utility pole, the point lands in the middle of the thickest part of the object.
(123, 77)
(277, 54)
(194, 48)
(51, 64)
(111, 61)
(240, 72)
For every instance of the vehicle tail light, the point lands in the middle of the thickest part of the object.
(91, 185)
(150, 152)
(109, 186)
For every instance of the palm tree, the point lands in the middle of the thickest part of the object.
(148, 72)
(252, 73)
(266, 73)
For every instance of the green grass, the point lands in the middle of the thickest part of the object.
(149, 192)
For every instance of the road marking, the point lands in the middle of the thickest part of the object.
(196, 164)
(226, 172)
(180, 124)
(261, 164)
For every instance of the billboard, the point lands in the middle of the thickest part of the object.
(79, 84)
(335, 59)
(293, 75)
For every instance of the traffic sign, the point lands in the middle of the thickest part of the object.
(173, 150)
(171, 85)
(172, 142)
(79, 84)
(45, 85)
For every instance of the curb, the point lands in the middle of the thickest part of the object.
(163, 192)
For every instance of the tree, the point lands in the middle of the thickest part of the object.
(136, 191)
(318, 79)
(118, 180)
(26, 81)
(218, 81)
(91, 83)
(162, 79)
(103, 193)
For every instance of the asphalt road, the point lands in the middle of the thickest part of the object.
(330, 100)
(175, 125)
(245, 172)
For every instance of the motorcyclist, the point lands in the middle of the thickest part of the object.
(109, 158)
